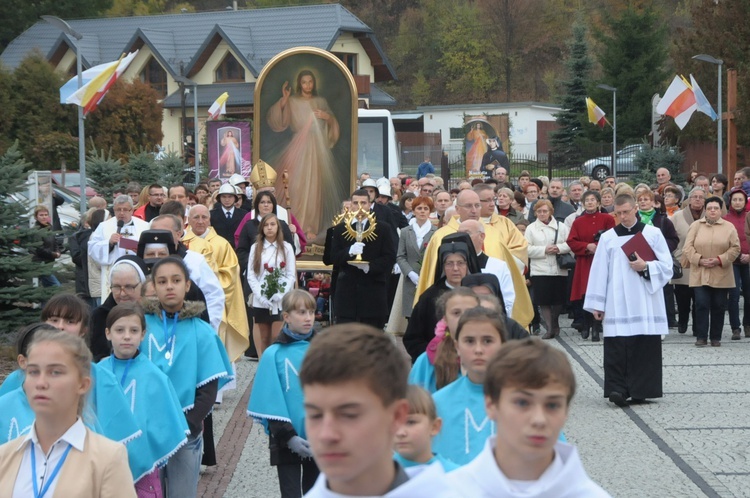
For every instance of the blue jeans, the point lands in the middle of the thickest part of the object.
(741, 285)
(183, 469)
(710, 306)
(49, 281)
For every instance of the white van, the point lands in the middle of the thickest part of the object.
(377, 149)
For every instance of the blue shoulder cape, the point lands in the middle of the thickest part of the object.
(107, 411)
(196, 357)
(422, 373)
(156, 408)
(466, 425)
(277, 392)
(13, 381)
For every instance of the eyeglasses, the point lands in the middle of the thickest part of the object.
(117, 289)
(469, 206)
(455, 264)
(488, 200)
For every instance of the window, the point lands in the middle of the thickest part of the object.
(457, 133)
(350, 61)
(230, 70)
(155, 76)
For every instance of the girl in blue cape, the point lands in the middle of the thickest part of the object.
(153, 400)
(191, 354)
(107, 411)
(438, 365)
(479, 335)
(276, 400)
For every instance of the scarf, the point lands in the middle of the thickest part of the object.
(420, 232)
(296, 336)
(647, 217)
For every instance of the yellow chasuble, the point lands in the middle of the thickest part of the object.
(523, 311)
(511, 236)
(197, 244)
(234, 330)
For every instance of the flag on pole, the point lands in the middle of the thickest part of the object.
(701, 101)
(219, 107)
(679, 102)
(89, 95)
(596, 115)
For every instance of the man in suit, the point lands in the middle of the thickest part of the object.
(360, 294)
(225, 218)
(383, 215)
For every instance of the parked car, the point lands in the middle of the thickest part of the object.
(73, 182)
(600, 168)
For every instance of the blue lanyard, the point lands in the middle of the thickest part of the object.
(51, 479)
(125, 373)
(169, 332)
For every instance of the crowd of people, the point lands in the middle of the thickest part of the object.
(174, 286)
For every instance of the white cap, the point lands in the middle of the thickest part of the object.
(370, 183)
(385, 190)
(228, 189)
(236, 179)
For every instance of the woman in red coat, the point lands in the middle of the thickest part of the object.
(583, 238)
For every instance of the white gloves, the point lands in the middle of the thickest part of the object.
(413, 277)
(276, 298)
(300, 446)
(264, 302)
(356, 248)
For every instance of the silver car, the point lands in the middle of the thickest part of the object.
(600, 168)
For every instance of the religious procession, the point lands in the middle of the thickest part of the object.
(293, 291)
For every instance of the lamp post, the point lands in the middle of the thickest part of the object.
(185, 82)
(614, 126)
(720, 147)
(65, 28)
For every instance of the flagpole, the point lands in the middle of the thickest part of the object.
(65, 28)
(614, 126)
(196, 131)
(719, 134)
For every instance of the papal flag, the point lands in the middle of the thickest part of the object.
(678, 101)
(219, 107)
(596, 115)
(102, 77)
(701, 101)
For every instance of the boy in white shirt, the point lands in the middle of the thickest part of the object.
(528, 387)
(354, 383)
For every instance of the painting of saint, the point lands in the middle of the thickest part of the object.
(476, 146)
(230, 151)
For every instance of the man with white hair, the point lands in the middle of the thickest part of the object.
(115, 237)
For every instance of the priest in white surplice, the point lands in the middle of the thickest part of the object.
(627, 296)
(104, 245)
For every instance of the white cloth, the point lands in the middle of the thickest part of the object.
(272, 258)
(432, 482)
(99, 246)
(499, 268)
(572, 217)
(632, 305)
(45, 464)
(204, 277)
(482, 478)
(539, 237)
(420, 232)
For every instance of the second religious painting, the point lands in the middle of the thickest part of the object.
(306, 126)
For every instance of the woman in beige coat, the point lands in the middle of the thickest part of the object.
(711, 247)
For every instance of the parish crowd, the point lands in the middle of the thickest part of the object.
(173, 286)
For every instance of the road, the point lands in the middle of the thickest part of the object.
(693, 442)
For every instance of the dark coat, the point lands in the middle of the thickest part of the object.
(663, 223)
(386, 218)
(421, 327)
(46, 252)
(79, 253)
(562, 209)
(225, 227)
(359, 294)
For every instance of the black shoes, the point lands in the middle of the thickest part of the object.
(585, 333)
(701, 342)
(736, 334)
(681, 329)
(618, 399)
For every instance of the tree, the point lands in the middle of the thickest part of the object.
(51, 150)
(142, 168)
(6, 103)
(572, 119)
(633, 59)
(172, 168)
(651, 159)
(17, 294)
(106, 172)
(128, 119)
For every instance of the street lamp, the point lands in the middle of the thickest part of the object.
(719, 63)
(614, 125)
(185, 82)
(65, 28)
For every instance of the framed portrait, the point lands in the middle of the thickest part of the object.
(479, 130)
(229, 150)
(306, 126)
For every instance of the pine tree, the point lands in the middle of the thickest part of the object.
(107, 173)
(651, 159)
(565, 140)
(17, 293)
(172, 168)
(142, 168)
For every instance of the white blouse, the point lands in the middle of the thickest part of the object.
(272, 258)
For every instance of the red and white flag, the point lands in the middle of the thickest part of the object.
(678, 102)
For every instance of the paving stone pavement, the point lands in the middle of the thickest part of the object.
(693, 442)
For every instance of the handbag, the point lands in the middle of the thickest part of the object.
(676, 268)
(564, 261)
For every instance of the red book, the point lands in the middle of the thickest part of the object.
(128, 244)
(638, 244)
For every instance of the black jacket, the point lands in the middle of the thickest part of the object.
(79, 252)
(45, 252)
(226, 227)
(421, 327)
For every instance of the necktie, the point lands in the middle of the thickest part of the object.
(229, 215)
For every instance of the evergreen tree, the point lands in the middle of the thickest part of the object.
(142, 168)
(17, 293)
(172, 168)
(566, 140)
(107, 173)
(649, 160)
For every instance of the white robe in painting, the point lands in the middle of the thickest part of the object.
(564, 478)
(632, 305)
(432, 482)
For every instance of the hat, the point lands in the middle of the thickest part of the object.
(488, 280)
(262, 175)
(457, 242)
(134, 261)
(237, 179)
(383, 181)
(156, 237)
(385, 190)
(537, 182)
(228, 189)
(370, 183)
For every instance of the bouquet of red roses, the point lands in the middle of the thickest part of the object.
(274, 286)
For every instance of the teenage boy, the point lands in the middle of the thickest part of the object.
(527, 388)
(354, 383)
